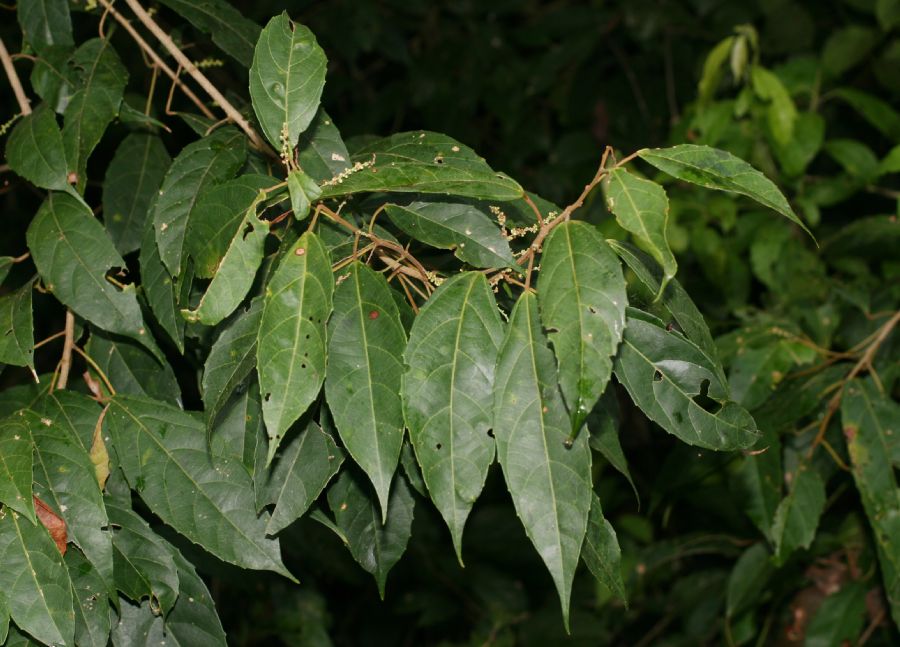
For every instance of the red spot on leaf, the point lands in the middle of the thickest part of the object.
(52, 522)
(850, 432)
(373, 314)
(300, 251)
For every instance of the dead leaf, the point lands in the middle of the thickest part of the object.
(99, 454)
(52, 522)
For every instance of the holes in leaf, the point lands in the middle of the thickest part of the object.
(657, 376)
(303, 365)
(705, 402)
(247, 231)
(268, 395)
(438, 446)
(592, 309)
(490, 432)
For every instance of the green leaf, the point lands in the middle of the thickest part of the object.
(143, 560)
(303, 191)
(365, 371)
(748, 580)
(891, 161)
(642, 208)
(291, 345)
(758, 481)
(16, 460)
(217, 218)
(548, 475)
(782, 113)
(664, 373)
(855, 157)
(100, 84)
(581, 293)
(840, 619)
(132, 181)
(231, 31)
(809, 133)
(73, 254)
(422, 162)
(162, 291)
(448, 393)
(717, 169)
(601, 552)
(876, 111)
(286, 80)
(375, 543)
(299, 475)
(35, 151)
(888, 13)
(235, 273)
(472, 236)
(163, 452)
(713, 67)
(45, 22)
(89, 595)
(797, 516)
(846, 48)
(321, 152)
(201, 164)
(131, 369)
(603, 424)
(239, 433)
(17, 328)
(869, 418)
(34, 581)
(232, 357)
(51, 77)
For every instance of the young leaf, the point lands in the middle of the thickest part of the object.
(422, 162)
(321, 152)
(448, 393)
(16, 461)
(163, 452)
(548, 476)
(471, 235)
(204, 163)
(303, 191)
(231, 31)
(717, 169)
(17, 328)
(299, 476)
(131, 369)
(89, 596)
(869, 417)
(365, 370)
(132, 181)
(291, 344)
(45, 22)
(582, 298)
(642, 208)
(35, 150)
(376, 543)
(664, 373)
(286, 80)
(798, 513)
(601, 552)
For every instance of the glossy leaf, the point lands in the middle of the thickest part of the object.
(16, 461)
(163, 453)
(231, 31)
(581, 292)
(35, 150)
(448, 393)
(131, 369)
(286, 80)
(321, 152)
(132, 181)
(73, 254)
(17, 328)
(601, 552)
(797, 516)
(422, 162)
(45, 22)
(549, 478)
(291, 344)
(365, 370)
(89, 597)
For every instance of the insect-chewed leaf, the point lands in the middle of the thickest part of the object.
(798, 513)
(674, 383)
(89, 596)
(16, 463)
(365, 370)
(132, 181)
(17, 328)
(231, 31)
(286, 80)
(163, 452)
(291, 341)
(204, 163)
(581, 293)
(460, 227)
(601, 552)
(548, 477)
(131, 369)
(299, 475)
(642, 208)
(375, 543)
(35, 150)
(45, 23)
(448, 393)
(321, 151)
(422, 162)
(34, 581)
(717, 169)
(73, 253)
(869, 418)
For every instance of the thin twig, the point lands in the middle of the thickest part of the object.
(96, 367)
(65, 364)
(21, 97)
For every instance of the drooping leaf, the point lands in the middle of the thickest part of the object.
(51, 78)
(73, 254)
(89, 596)
(291, 346)
(365, 370)
(321, 152)
(16, 461)
(286, 80)
(162, 290)
(201, 164)
(448, 393)
(131, 369)
(758, 481)
(549, 478)
(601, 552)
(603, 424)
(239, 433)
(132, 181)
(45, 22)
(581, 293)
(34, 580)
(717, 169)
(641, 207)
(875, 110)
(422, 162)
(300, 474)
(376, 543)
(869, 418)
(797, 516)
(231, 31)
(163, 453)
(748, 579)
(17, 328)
(670, 379)
(35, 150)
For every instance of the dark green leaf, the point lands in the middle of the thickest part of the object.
(230, 29)
(45, 22)
(601, 552)
(603, 424)
(758, 481)
(321, 152)
(748, 579)
(51, 77)
(448, 393)
(855, 157)
(17, 328)
(89, 594)
(239, 434)
(876, 111)
(840, 619)
(161, 289)
(35, 151)
(797, 516)
(286, 80)
(847, 47)
(131, 369)
(303, 191)
(16, 460)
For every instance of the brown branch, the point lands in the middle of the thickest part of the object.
(21, 97)
(65, 364)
